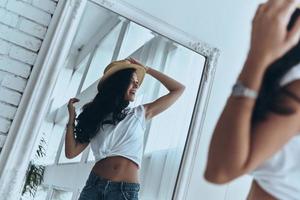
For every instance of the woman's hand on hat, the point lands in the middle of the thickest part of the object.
(134, 61)
(71, 108)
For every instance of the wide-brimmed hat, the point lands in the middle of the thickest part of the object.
(116, 66)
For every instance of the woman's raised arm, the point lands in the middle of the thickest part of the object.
(237, 146)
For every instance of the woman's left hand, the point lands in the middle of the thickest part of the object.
(270, 38)
(134, 61)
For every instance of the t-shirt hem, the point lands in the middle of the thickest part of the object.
(129, 158)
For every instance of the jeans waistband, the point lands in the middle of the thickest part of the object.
(112, 185)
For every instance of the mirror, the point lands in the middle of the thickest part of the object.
(103, 36)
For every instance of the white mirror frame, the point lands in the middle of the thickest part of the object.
(15, 155)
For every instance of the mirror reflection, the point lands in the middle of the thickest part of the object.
(167, 94)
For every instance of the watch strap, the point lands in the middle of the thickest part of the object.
(240, 90)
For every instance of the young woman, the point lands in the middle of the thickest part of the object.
(258, 131)
(115, 131)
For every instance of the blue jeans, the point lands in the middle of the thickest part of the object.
(98, 188)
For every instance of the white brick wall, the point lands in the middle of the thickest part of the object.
(23, 25)
(32, 28)
(29, 11)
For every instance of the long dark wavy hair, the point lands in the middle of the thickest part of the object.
(107, 107)
(269, 98)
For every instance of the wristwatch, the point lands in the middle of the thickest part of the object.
(240, 90)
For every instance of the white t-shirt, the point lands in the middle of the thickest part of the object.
(123, 139)
(280, 175)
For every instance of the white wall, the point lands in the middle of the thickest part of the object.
(23, 25)
(225, 25)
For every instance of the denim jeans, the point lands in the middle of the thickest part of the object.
(98, 188)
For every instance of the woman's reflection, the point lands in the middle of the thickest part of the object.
(116, 131)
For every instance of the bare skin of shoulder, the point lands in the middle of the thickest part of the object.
(117, 168)
(257, 193)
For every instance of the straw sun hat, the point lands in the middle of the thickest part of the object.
(116, 66)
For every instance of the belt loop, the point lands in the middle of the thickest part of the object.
(106, 185)
(122, 186)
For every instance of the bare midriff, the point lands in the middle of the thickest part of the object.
(117, 168)
(257, 193)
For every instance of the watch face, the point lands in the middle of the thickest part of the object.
(238, 89)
